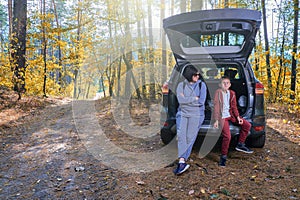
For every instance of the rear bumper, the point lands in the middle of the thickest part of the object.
(209, 130)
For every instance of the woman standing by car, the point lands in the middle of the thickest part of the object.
(191, 95)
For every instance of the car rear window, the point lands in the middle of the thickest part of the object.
(215, 73)
(225, 41)
(219, 39)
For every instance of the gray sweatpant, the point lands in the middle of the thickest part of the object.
(187, 131)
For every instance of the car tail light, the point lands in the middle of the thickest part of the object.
(166, 124)
(259, 88)
(165, 88)
(258, 128)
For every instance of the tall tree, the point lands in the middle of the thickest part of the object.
(140, 42)
(281, 61)
(58, 26)
(182, 6)
(127, 57)
(267, 49)
(143, 71)
(164, 43)
(172, 6)
(77, 47)
(3, 23)
(196, 5)
(44, 44)
(226, 4)
(151, 52)
(295, 46)
(18, 45)
(10, 16)
(109, 70)
(128, 45)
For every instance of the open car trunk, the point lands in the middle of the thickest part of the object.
(206, 34)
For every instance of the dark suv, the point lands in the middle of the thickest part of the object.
(217, 42)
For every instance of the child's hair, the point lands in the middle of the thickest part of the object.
(188, 72)
(223, 78)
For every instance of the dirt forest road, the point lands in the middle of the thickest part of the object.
(43, 157)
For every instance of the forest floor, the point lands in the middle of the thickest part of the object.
(44, 156)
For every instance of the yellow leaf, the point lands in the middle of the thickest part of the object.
(202, 190)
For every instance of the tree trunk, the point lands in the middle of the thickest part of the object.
(267, 49)
(111, 76)
(76, 70)
(75, 74)
(196, 5)
(140, 49)
(44, 44)
(127, 57)
(257, 56)
(144, 58)
(295, 46)
(182, 6)
(127, 35)
(18, 44)
(79, 88)
(119, 76)
(110, 73)
(226, 4)
(129, 66)
(88, 90)
(59, 73)
(103, 86)
(10, 17)
(172, 7)
(281, 63)
(164, 45)
(150, 53)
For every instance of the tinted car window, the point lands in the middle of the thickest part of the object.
(209, 40)
(215, 73)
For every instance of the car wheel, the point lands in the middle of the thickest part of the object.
(258, 142)
(166, 135)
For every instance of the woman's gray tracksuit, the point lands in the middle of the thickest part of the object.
(190, 115)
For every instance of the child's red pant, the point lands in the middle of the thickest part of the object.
(245, 128)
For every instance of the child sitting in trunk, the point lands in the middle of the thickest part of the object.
(225, 110)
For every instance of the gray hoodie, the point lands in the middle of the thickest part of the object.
(187, 94)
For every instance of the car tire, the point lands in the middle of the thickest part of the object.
(166, 135)
(258, 142)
